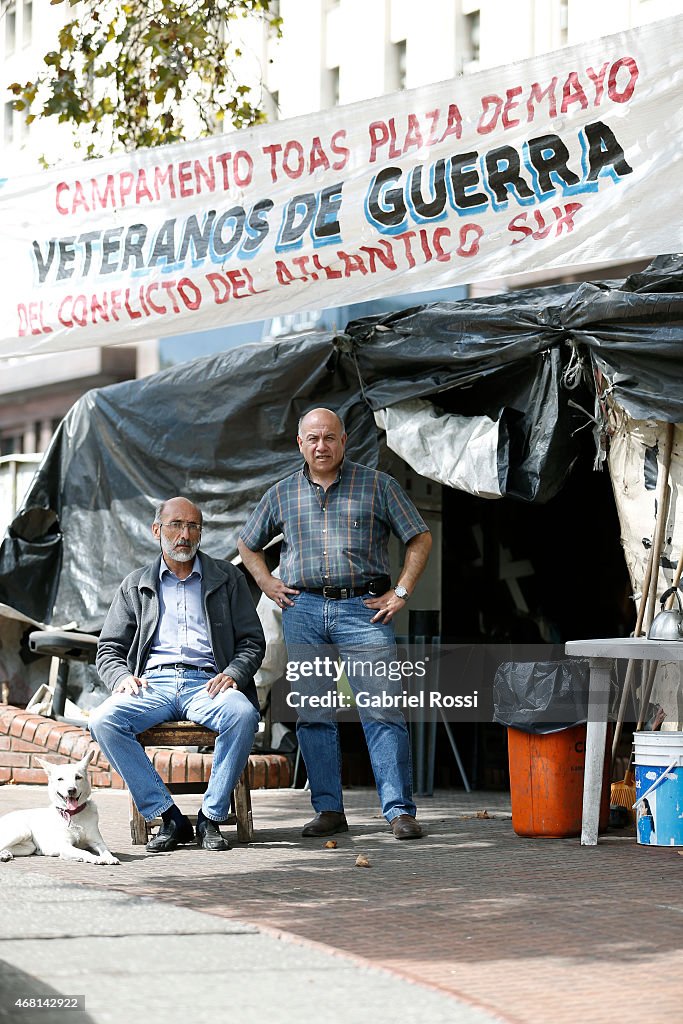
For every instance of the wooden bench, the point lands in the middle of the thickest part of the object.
(187, 734)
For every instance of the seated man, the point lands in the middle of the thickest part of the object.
(181, 640)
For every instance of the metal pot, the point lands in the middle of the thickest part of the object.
(668, 624)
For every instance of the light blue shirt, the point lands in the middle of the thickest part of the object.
(181, 636)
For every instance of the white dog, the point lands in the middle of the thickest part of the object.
(67, 829)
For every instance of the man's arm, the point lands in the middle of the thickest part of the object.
(116, 639)
(417, 553)
(249, 642)
(272, 586)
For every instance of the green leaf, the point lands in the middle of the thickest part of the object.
(147, 57)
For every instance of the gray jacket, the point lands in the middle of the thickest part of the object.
(234, 627)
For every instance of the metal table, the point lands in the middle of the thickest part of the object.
(601, 654)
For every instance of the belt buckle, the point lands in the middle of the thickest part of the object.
(333, 593)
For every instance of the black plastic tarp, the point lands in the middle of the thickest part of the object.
(222, 429)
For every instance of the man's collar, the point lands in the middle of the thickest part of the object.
(196, 568)
(307, 472)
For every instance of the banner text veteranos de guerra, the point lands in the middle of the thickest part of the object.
(561, 159)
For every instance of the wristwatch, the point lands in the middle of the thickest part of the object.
(401, 592)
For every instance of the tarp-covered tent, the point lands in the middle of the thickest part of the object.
(222, 429)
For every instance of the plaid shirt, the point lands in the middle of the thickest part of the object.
(337, 537)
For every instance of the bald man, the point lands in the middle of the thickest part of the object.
(181, 640)
(336, 596)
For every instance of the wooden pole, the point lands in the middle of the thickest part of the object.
(648, 594)
(662, 509)
(676, 580)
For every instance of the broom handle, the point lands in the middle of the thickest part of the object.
(677, 577)
(647, 690)
(649, 589)
(630, 668)
(653, 667)
(676, 580)
(662, 510)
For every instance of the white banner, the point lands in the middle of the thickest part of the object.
(572, 157)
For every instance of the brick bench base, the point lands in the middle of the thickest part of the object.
(25, 736)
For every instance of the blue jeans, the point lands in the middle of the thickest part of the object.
(316, 626)
(173, 694)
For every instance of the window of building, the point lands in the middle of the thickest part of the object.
(564, 22)
(400, 61)
(9, 445)
(332, 87)
(10, 29)
(8, 124)
(24, 128)
(27, 22)
(395, 77)
(274, 105)
(473, 34)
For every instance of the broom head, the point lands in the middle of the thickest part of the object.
(624, 794)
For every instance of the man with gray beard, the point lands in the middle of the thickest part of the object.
(181, 640)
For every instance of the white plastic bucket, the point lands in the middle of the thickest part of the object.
(658, 758)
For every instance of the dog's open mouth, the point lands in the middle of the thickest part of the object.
(71, 802)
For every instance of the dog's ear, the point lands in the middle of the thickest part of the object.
(85, 761)
(47, 766)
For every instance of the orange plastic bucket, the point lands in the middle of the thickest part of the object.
(546, 782)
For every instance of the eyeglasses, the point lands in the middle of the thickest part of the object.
(178, 525)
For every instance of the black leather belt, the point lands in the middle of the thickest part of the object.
(179, 664)
(337, 593)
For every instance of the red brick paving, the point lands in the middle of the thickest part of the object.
(542, 931)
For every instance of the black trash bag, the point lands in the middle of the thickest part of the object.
(541, 696)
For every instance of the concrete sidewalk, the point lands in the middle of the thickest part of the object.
(130, 958)
(471, 923)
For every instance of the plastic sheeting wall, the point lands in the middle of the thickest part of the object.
(468, 453)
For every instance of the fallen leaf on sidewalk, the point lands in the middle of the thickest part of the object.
(362, 861)
(331, 844)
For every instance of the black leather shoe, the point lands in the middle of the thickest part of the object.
(171, 835)
(209, 836)
(326, 823)
(406, 827)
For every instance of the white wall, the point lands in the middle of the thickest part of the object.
(360, 38)
(16, 474)
(33, 141)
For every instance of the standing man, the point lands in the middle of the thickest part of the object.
(181, 640)
(335, 589)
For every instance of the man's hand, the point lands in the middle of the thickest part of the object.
(220, 683)
(387, 606)
(272, 586)
(417, 553)
(277, 591)
(131, 685)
